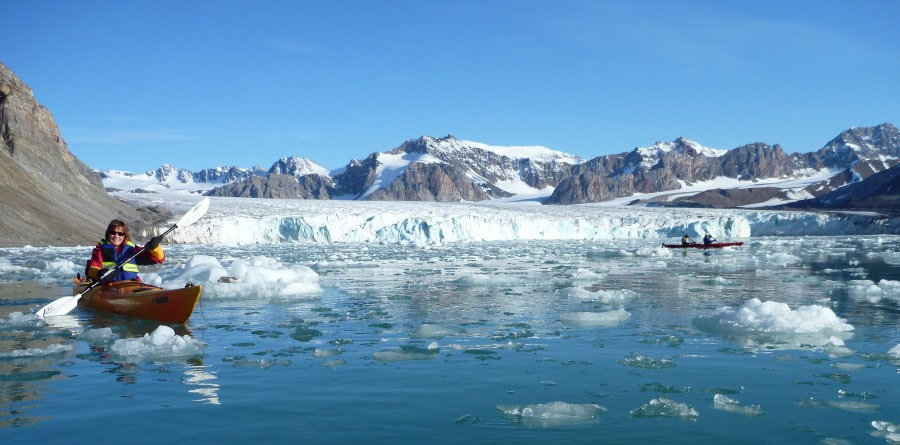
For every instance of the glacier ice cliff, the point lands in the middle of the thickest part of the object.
(256, 221)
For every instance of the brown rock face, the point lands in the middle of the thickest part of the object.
(47, 195)
(276, 186)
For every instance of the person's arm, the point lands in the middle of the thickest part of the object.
(150, 256)
(94, 264)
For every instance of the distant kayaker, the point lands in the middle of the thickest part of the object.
(708, 239)
(117, 247)
(685, 240)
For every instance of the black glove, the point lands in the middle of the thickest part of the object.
(153, 243)
(106, 279)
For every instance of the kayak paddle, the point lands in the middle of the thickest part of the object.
(65, 305)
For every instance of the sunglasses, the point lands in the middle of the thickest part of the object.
(117, 233)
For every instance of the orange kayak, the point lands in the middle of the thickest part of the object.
(140, 300)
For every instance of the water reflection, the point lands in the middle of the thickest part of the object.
(199, 377)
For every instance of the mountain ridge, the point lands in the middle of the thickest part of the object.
(449, 169)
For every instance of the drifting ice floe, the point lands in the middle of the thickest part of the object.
(406, 353)
(161, 344)
(604, 319)
(260, 276)
(18, 320)
(724, 403)
(773, 325)
(599, 296)
(553, 413)
(756, 316)
(663, 407)
(55, 348)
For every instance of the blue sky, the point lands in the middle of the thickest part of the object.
(198, 84)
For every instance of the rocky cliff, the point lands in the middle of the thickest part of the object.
(47, 195)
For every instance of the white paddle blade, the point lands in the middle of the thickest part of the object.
(60, 306)
(194, 213)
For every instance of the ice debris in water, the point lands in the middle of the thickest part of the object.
(162, 343)
(860, 407)
(18, 320)
(895, 351)
(663, 407)
(724, 403)
(99, 335)
(587, 319)
(599, 296)
(642, 361)
(61, 268)
(55, 348)
(780, 259)
(260, 276)
(553, 412)
(406, 353)
(581, 274)
(755, 316)
(867, 290)
(890, 431)
(429, 330)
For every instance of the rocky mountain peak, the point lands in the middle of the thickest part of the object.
(855, 144)
(49, 196)
(295, 166)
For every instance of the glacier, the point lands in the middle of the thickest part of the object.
(263, 221)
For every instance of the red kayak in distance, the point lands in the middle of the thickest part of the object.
(702, 246)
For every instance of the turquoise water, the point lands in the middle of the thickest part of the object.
(478, 343)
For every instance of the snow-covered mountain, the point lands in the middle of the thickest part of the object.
(298, 167)
(449, 169)
(677, 173)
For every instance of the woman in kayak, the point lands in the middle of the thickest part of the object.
(115, 249)
(685, 240)
(708, 239)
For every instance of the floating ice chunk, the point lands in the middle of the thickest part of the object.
(780, 259)
(428, 330)
(261, 277)
(553, 413)
(406, 353)
(755, 316)
(320, 353)
(724, 403)
(860, 407)
(888, 430)
(585, 275)
(606, 319)
(663, 407)
(890, 288)
(892, 258)
(98, 335)
(864, 290)
(55, 348)
(18, 320)
(834, 347)
(7, 267)
(61, 268)
(895, 351)
(653, 252)
(600, 296)
(484, 280)
(162, 343)
(643, 361)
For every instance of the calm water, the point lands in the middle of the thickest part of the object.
(445, 344)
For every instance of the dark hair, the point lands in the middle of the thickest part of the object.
(112, 227)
